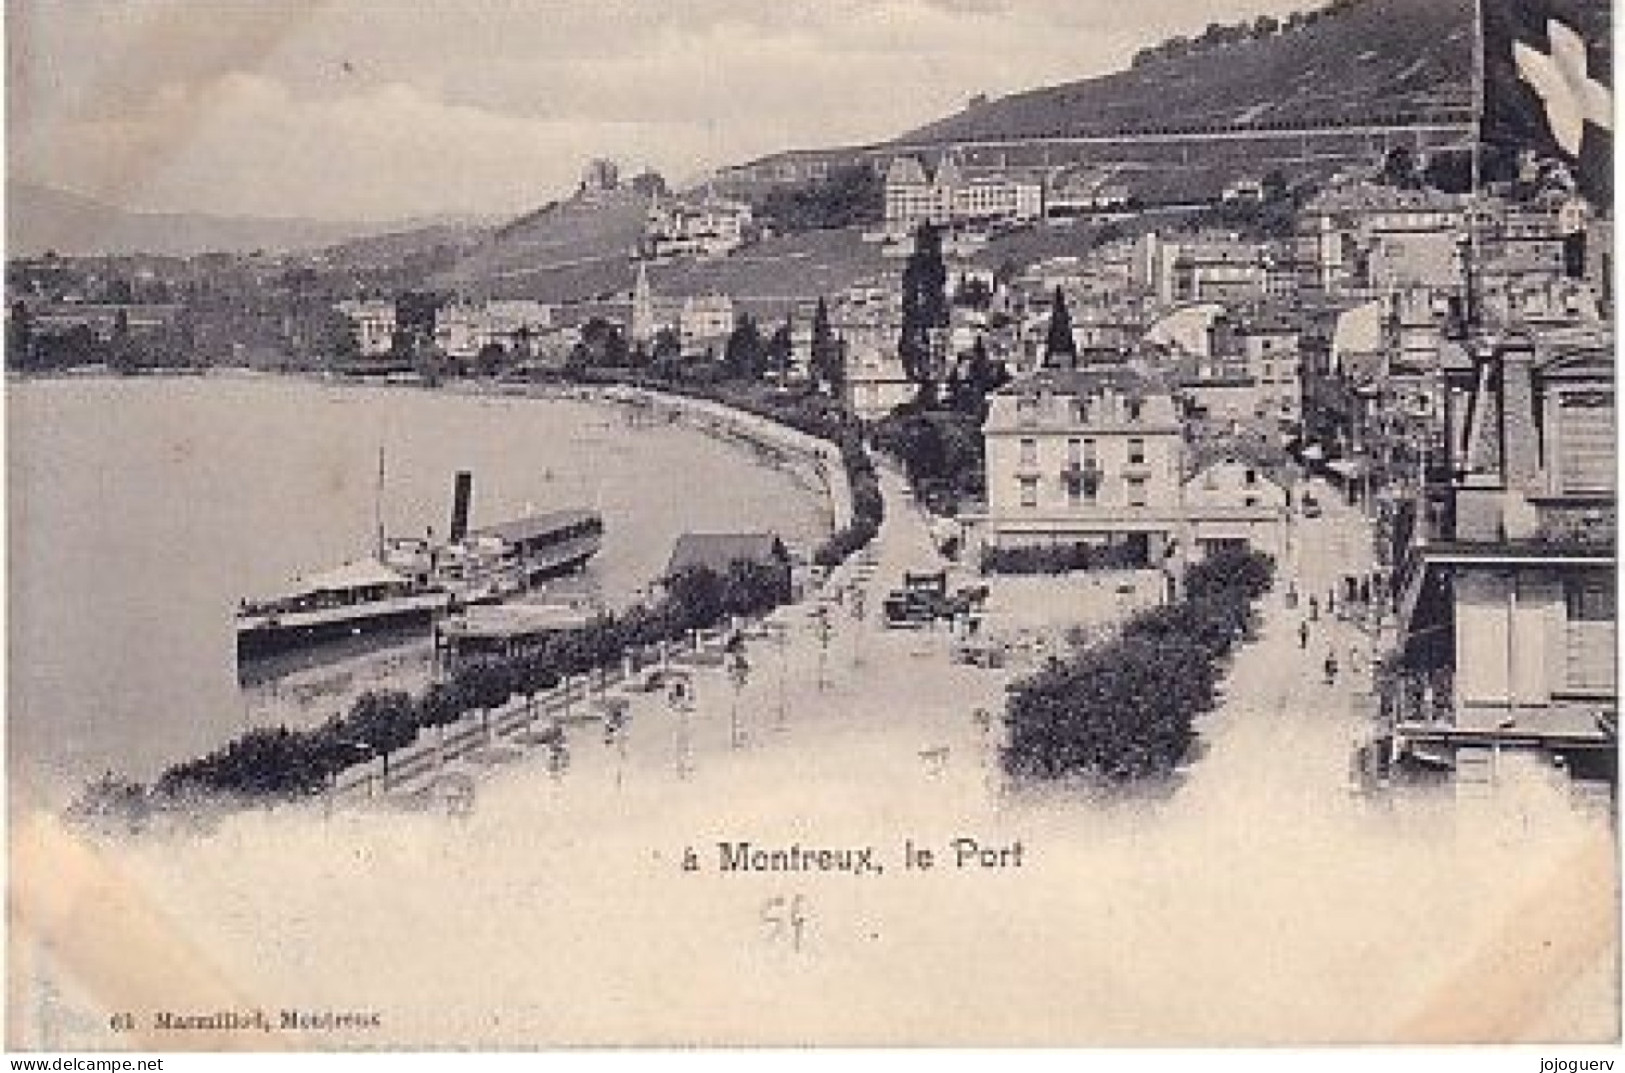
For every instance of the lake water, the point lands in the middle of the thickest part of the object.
(142, 510)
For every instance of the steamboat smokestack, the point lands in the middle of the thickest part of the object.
(462, 494)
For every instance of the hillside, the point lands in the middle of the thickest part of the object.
(1377, 61)
(1367, 64)
(570, 250)
(394, 248)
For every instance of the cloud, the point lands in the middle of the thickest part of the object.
(333, 109)
(247, 144)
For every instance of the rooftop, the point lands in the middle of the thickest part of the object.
(532, 526)
(717, 551)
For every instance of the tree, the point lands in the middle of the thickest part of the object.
(851, 196)
(1118, 713)
(974, 294)
(695, 597)
(485, 684)
(1399, 168)
(828, 368)
(122, 354)
(1275, 185)
(778, 351)
(980, 378)
(601, 346)
(20, 336)
(925, 313)
(490, 359)
(1449, 170)
(750, 588)
(414, 319)
(744, 355)
(1059, 343)
(384, 721)
(667, 359)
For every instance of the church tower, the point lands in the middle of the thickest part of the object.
(643, 309)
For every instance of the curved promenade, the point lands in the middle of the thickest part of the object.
(821, 457)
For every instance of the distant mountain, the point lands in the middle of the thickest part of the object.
(41, 218)
(1365, 62)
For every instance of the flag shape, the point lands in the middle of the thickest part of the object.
(1548, 85)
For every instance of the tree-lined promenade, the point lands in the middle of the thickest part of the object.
(285, 763)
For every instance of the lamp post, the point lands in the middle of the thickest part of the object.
(856, 604)
(679, 697)
(824, 634)
(739, 674)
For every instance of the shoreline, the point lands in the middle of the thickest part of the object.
(803, 459)
(781, 443)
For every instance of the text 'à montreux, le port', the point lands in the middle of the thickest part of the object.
(961, 853)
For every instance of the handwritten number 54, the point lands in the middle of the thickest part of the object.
(785, 920)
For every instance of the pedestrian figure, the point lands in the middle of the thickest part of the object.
(1331, 667)
(1314, 608)
(1331, 602)
(1303, 634)
(1365, 590)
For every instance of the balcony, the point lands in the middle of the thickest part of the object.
(1082, 478)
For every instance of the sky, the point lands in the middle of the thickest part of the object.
(372, 110)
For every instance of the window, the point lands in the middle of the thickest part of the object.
(1029, 452)
(1029, 491)
(1586, 441)
(1089, 457)
(1251, 477)
(1136, 491)
(1027, 410)
(1588, 600)
(1136, 451)
(1590, 611)
(1074, 451)
(1134, 408)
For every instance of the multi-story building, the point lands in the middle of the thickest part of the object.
(1220, 269)
(1528, 263)
(1361, 239)
(1205, 266)
(867, 318)
(1083, 455)
(1231, 504)
(463, 329)
(1083, 192)
(708, 227)
(1506, 576)
(1269, 345)
(705, 319)
(948, 197)
(373, 321)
